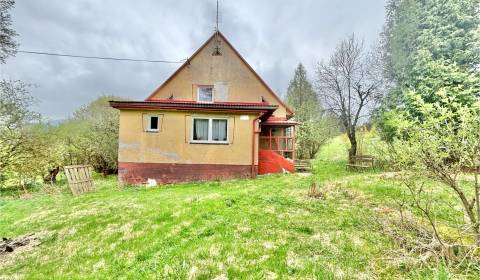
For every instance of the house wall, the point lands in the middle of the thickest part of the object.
(168, 156)
(227, 69)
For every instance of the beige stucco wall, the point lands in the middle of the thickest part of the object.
(205, 69)
(172, 143)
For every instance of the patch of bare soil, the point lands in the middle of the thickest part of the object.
(10, 246)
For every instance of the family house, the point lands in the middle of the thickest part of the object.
(213, 119)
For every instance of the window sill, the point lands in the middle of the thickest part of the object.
(152, 131)
(210, 142)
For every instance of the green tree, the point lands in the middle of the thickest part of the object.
(431, 117)
(15, 117)
(313, 134)
(442, 146)
(8, 45)
(24, 148)
(302, 97)
(315, 128)
(100, 140)
(429, 46)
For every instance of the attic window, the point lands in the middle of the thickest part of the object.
(205, 94)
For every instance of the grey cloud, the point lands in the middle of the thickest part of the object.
(274, 36)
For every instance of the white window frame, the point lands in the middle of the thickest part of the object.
(149, 125)
(205, 86)
(210, 127)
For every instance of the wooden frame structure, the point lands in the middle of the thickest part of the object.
(282, 144)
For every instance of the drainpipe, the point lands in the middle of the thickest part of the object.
(254, 131)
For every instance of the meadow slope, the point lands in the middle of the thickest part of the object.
(267, 228)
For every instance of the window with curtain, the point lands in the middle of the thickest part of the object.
(200, 129)
(219, 130)
(205, 94)
(210, 130)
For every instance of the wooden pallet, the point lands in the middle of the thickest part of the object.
(79, 178)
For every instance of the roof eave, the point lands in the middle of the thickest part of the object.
(149, 105)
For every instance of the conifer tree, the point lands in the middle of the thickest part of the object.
(301, 96)
(315, 127)
(430, 46)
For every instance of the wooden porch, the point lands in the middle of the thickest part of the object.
(280, 139)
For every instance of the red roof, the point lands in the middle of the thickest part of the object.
(215, 102)
(185, 105)
(280, 121)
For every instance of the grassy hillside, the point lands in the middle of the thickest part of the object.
(265, 228)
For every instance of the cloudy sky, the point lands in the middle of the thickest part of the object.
(273, 36)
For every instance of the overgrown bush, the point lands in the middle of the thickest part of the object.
(34, 153)
(444, 145)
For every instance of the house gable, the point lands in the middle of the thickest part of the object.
(233, 78)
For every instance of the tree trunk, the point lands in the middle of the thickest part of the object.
(477, 204)
(52, 175)
(353, 146)
(468, 210)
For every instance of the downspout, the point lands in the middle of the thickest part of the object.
(254, 131)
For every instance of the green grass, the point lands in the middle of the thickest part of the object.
(240, 229)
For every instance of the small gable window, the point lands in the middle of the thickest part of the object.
(206, 130)
(205, 94)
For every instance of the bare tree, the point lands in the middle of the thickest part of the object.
(349, 85)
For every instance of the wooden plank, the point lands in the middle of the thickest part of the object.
(82, 178)
(77, 178)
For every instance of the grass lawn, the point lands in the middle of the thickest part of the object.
(267, 228)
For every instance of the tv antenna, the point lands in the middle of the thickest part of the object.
(216, 48)
(216, 27)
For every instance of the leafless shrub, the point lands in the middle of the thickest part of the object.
(314, 192)
(418, 244)
(423, 239)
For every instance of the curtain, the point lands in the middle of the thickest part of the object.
(219, 130)
(200, 129)
(205, 94)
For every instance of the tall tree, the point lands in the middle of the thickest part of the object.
(430, 46)
(349, 86)
(316, 127)
(100, 141)
(302, 97)
(8, 45)
(432, 56)
(15, 119)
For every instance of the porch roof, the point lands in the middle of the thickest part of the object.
(279, 121)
